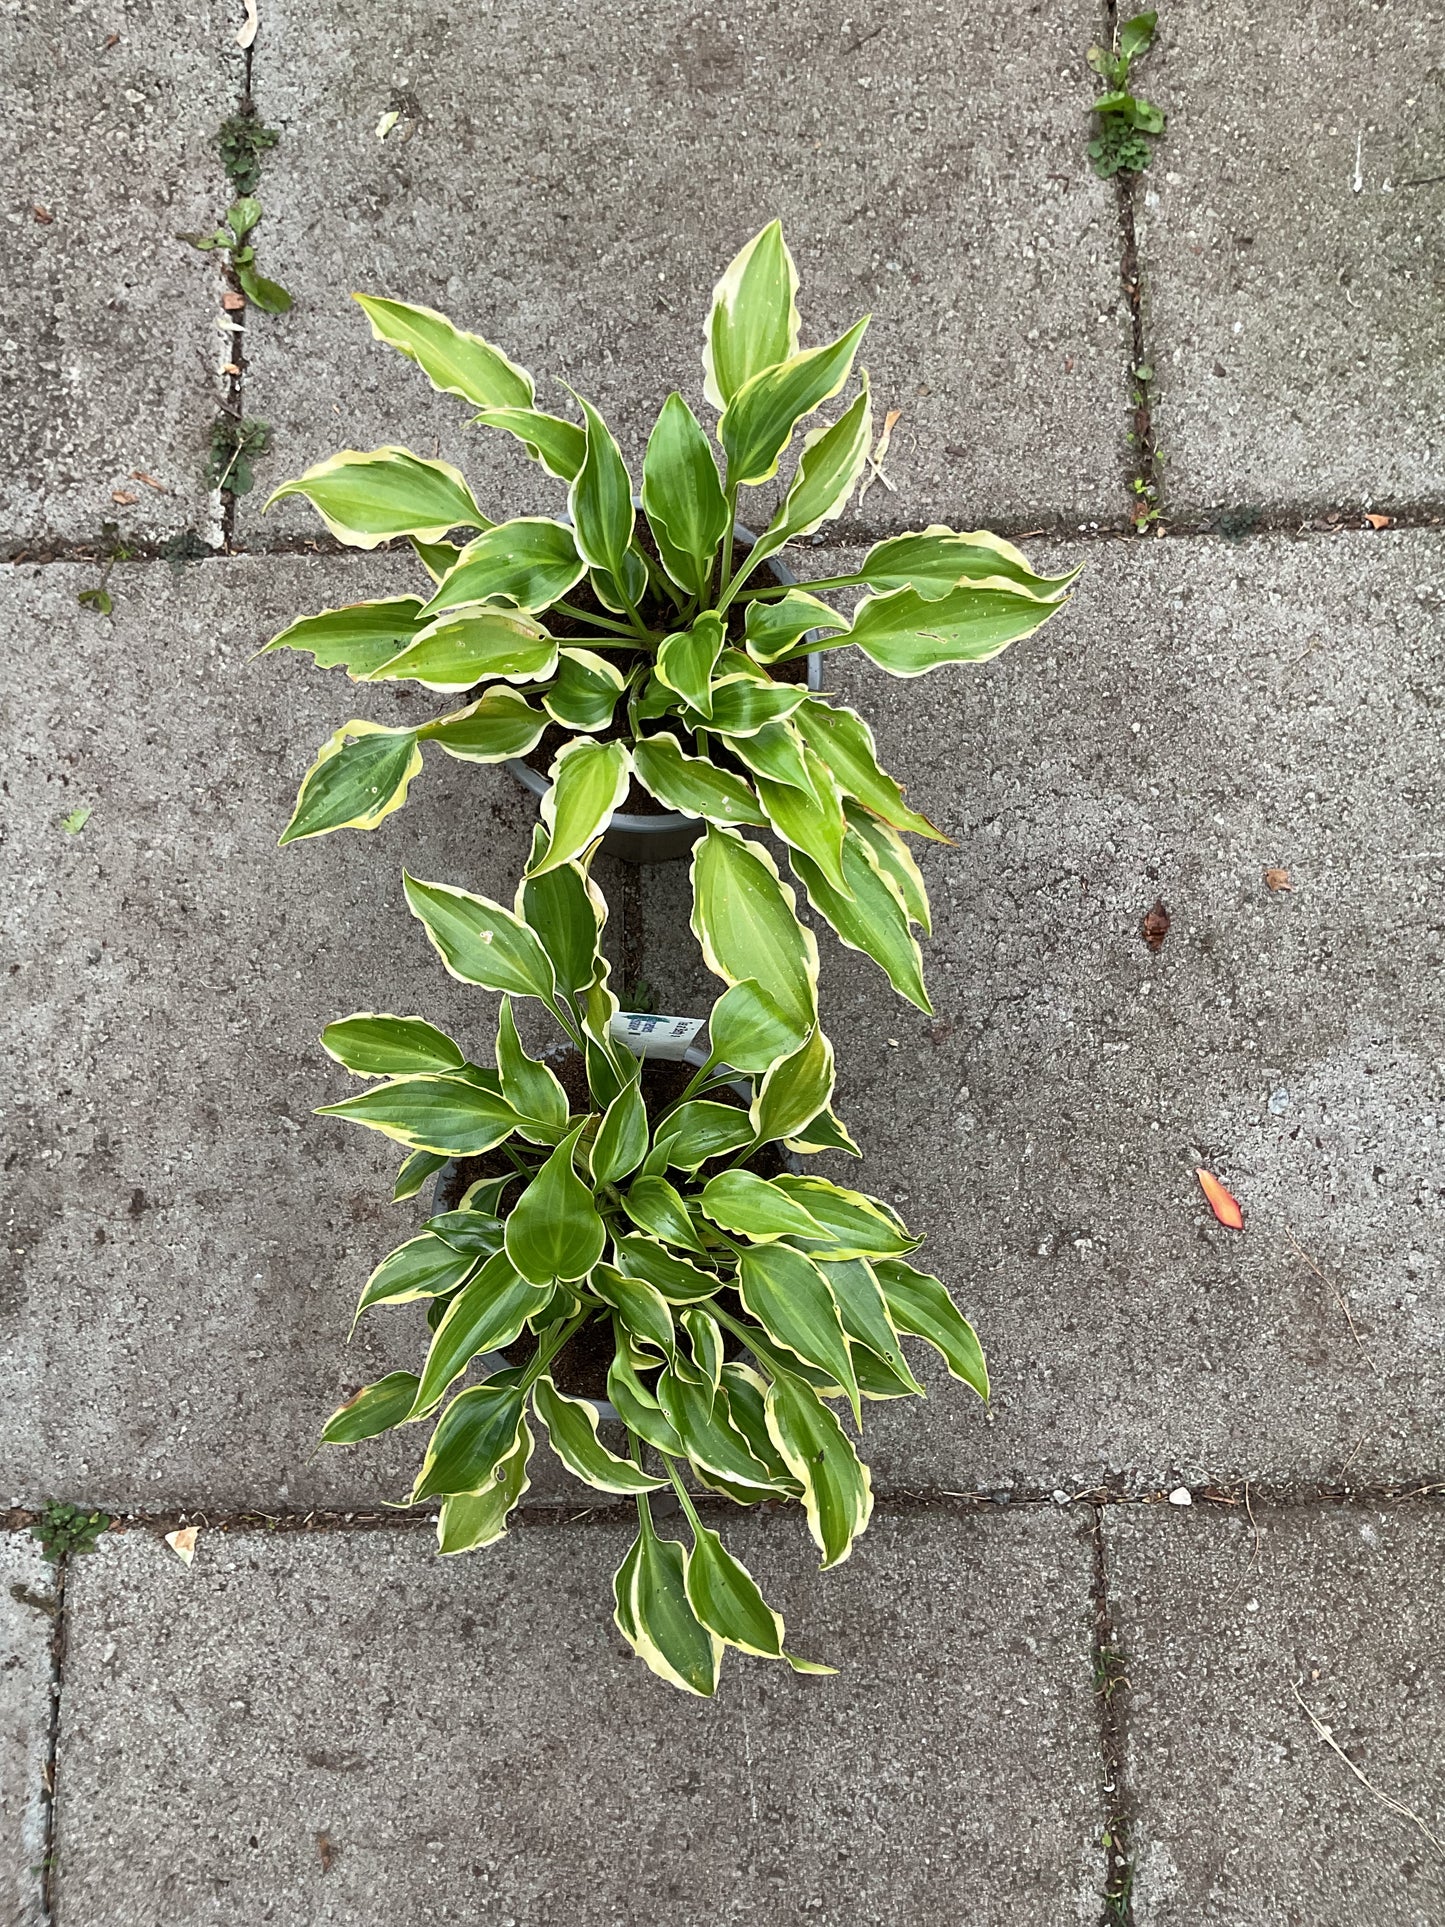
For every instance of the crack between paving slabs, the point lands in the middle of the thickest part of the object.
(900, 1503)
(51, 1764)
(1111, 1687)
(1294, 520)
(234, 404)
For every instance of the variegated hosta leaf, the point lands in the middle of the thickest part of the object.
(481, 943)
(414, 1172)
(754, 322)
(375, 1044)
(715, 1447)
(845, 743)
(866, 1320)
(474, 1434)
(682, 497)
(557, 444)
(755, 1209)
(528, 1085)
(679, 1282)
(907, 634)
(773, 630)
(567, 912)
(470, 1520)
(642, 1309)
(633, 579)
(589, 781)
(554, 1231)
(454, 362)
(741, 706)
(655, 1619)
(795, 1089)
(365, 498)
(531, 562)
(359, 638)
(424, 1267)
(431, 1113)
(704, 1337)
(583, 693)
(759, 420)
(937, 560)
(725, 1596)
(471, 644)
(686, 659)
(621, 1141)
(655, 1207)
(361, 774)
(693, 784)
(745, 918)
(371, 1411)
(895, 860)
(572, 1430)
(501, 724)
(918, 1303)
(831, 461)
(750, 1030)
(814, 823)
(825, 1133)
(435, 557)
(837, 1491)
(872, 920)
(486, 1314)
(696, 1131)
(789, 1297)
(857, 1226)
(601, 500)
(776, 751)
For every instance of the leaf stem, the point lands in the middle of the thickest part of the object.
(599, 622)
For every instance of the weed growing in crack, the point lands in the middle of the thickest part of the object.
(1126, 124)
(240, 142)
(235, 444)
(113, 549)
(63, 1529)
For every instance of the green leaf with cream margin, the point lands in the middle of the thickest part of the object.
(845, 743)
(366, 498)
(361, 774)
(375, 1044)
(682, 497)
(531, 562)
(936, 560)
(761, 417)
(600, 500)
(745, 917)
(453, 361)
(357, 638)
(431, 1113)
(908, 634)
(654, 1616)
(874, 919)
(465, 646)
(589, 782)
(554, 1230)
(837, 1489)
(470, 1520)
(479, 942)
(694, 785)
(920, 1304)
(753, 323)
(829, 465)
(686, 661)
(559, 445)
(572, 1432)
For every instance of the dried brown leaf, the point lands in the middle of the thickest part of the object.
(1277, 880)
(1155, 927)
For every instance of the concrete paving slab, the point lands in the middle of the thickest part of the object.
(478, 1743)
(1289, 233)
(1243, 1816)
(573, 187)
(27, 1625)
(1202, 713)
(109, 349)
(186, 1240)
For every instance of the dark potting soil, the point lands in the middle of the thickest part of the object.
(580, 1368)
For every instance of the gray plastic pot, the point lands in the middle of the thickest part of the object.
(446, 1195)
(666, 836)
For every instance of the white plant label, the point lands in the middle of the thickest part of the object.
(650, 1036)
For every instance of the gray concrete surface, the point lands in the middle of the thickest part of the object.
(477, 1743)
(1289, 233)
(574, 195)
(109, 349)
(1201, 713)
(186, 1239)
(1244, 1817)
(27, 1624)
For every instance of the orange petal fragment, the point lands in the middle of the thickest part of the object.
(1222, 1203)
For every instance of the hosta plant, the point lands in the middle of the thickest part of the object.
(740, 1301)
(652, 641)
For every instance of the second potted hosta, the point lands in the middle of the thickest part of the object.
(746, 1311)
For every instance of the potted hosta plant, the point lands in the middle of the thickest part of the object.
(728, 1304)
(645, 656)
